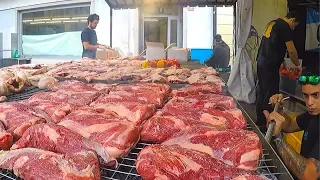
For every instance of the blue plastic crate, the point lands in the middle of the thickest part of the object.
(200, 55)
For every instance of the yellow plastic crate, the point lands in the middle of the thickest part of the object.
(294, 139)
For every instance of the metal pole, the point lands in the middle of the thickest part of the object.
(111, 11)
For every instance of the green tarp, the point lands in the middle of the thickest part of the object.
(62, 44)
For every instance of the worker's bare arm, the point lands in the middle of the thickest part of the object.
(293, 54)
(302, 168)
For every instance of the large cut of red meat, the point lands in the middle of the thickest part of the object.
(132, 111)
(74, 98)
(30, 163)
(143, 97)
(238, 148)
(198, 88)
(149, 87)
(228, 119)
(174, 163)
(116, 135)
(71, 85)
(56, 111)
(6, 138)
(103, 88)
(212, 101)
(18, 117)
(58, 139)
(159, 128)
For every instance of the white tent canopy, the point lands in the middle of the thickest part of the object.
(241, 82)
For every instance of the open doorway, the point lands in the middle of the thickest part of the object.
(156, 29)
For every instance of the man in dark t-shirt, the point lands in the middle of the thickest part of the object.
(89, 38)
(307, 164)
(277, 38)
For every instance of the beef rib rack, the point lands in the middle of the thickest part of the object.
(197, 88)
(18, 117)
(174, 163)
(212, 101)
(238, 148)
(132, 111)
(228, 119)
(117, 136)
(58, 139)
(31, 163)
(55, 111)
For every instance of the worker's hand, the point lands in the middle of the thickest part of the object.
(102, 47)
(277, 98)
(277, 118)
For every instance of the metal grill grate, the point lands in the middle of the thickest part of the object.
(126, 169)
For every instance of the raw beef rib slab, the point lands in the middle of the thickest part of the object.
(6, 138)
(212, 101)
(175, 163)
(74, 98)
(238, 148)
(134, 112)
(30, 163)
(71, 85)
(56, 111)
(143, 97)
(159, 128)
(157, 88)
(58, 139)
(18, 117)
(197, 88)
(115, 135)
(228, 119)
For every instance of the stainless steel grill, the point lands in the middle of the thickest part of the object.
(270, 164)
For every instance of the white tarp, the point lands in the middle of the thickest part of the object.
(241, 81)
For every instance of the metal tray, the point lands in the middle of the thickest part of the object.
(270, 165)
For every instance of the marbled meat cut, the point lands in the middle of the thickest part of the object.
(143, 97)
(71, 85)
(132, 111)
(238, 148)
(198, 88)
(116, 135)
(74, 98)
(31, 163)
(228, 119)
(212, 101)
(157, 88)
(6, 138)
(174, 163)
(157, 129)
(55, 110)
(103, 88)
(59, 139)
(18, 117)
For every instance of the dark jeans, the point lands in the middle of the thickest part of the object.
(268, 85)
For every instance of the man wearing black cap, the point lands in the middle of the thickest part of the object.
(221, 54)
(89, 38)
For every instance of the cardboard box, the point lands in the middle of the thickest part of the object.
(105, 54)
(155, 50)
(180, 54)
